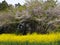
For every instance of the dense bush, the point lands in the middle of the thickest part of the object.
(22, 28)
(29, 26)
(8, 28)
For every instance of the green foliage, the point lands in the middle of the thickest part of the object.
(49, 4)
(3, 5)
(27, 43)
(20, 8)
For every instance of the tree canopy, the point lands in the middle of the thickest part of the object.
(3, 5)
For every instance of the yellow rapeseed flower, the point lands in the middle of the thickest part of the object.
(30, 38)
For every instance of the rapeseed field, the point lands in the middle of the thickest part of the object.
(30, 38)
(33, 39)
